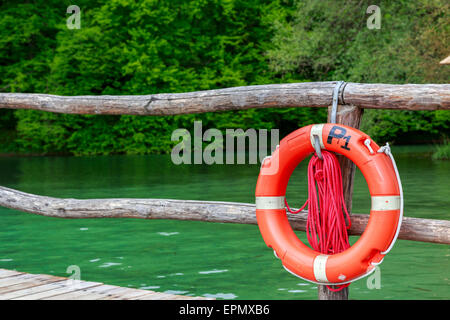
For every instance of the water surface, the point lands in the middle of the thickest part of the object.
(228, 261)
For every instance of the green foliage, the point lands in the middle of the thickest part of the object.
(329, 40)
(406, 127)
(135, 47)
(442, 152)
(127, 47)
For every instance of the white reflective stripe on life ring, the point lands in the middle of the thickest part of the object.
(320, 268)
(316, 130)
(385, 203)
(270, 202)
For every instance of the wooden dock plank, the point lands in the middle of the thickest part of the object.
(5, 282)
(131, 294)
(87, 296)
(94, 293)
(17, 285)
(178, 297)
(29, 283)
(125, 293)
(152, 294)
(157, 296)
(8, 273)
(116, 291)
(103, 289)
(99, 292)
(77, 295)
(41, 289)
(55, 290)
(27, 291)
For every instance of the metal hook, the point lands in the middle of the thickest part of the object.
(317, 146)
(336, 90)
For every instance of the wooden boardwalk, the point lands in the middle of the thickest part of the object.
(15, 285)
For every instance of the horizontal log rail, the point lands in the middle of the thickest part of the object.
(307, 94)
(417, 229)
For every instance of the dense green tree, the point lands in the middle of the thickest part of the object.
(137, 47)
(330, 40)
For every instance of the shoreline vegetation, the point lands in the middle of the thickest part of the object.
(433, 151)
(442, 151)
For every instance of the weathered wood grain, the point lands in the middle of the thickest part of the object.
(8, 273)
(427, 230)
(401, 96)
(25, 286)
(307, 94)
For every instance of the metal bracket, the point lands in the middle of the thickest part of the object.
(336, 90)
(317, 147)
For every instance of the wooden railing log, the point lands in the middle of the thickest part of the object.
(417, 229)
(306, 94)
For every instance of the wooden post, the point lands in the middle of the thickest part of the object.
(351, 116)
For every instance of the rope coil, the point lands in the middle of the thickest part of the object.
(326, 226)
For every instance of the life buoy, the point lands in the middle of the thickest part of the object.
(386, 211)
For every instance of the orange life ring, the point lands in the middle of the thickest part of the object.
(386, 212)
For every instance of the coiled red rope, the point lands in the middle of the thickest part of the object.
(326, 227)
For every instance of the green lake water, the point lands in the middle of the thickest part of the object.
(218, 260)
